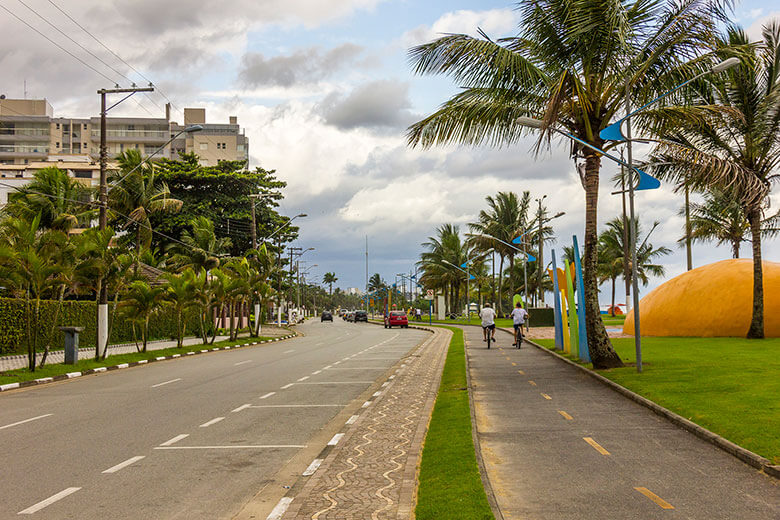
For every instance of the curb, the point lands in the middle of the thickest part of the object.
(73, 375)
(745, 455)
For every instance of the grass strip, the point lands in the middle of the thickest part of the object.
(450, 484)
(727, 385)
(56, 369)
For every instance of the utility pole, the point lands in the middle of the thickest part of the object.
(366, 274)
(254, 226)
(102, 316)
(539, 260)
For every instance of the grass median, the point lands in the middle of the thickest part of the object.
(450, 484)
(87, 363)
(728, 385)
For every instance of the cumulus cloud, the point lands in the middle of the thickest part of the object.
(755, 29)
(494, 22)
(304, 66)
(378, 104)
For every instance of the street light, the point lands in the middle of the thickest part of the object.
(259, 196)
(279, 259)
(469, 276)
(467, 265)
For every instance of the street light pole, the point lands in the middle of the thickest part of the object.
(540, 258)
(632, 240)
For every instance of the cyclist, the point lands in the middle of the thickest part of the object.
(488, 316)
(519, 315)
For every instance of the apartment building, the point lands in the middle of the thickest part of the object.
(29, 133)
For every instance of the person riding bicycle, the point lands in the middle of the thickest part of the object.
(519, 315)
(488, 316)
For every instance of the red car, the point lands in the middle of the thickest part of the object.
(396, 318)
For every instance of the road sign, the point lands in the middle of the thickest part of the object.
(429, 294)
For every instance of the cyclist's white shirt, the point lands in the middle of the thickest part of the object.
(518, 315)
(488, 316)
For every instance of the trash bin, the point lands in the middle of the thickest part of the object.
(71, 344)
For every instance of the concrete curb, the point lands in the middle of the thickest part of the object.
(745, 455)
(73, 375)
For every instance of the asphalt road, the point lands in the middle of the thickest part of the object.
(188, 438)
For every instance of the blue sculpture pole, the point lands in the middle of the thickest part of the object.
(583, 333)
(557, 300)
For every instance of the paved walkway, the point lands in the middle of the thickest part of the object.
(557, 444)
(372, 472)
(58, 356)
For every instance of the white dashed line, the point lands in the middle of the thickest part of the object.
(285, 387)
(242, 362)
(175, 439)
(49, 501)
(266, 396)
(25, 421)
(316, 372)
(124, 464)
(288, 351)
(335, 440)
(242, 407)
(213, 421)
(280, 509)
(304, 378)
(312, 467)
(166, 382)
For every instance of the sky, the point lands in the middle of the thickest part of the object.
(324, 91)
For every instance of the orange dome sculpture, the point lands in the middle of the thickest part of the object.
(712, 300)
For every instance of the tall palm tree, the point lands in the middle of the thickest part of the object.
(737, 148)
(180, 294)
(200, 247)
(330, 279)
(376, 283)
(568, 66)
(140, 303)
(721, 219)
(135, 192)
(445, 251)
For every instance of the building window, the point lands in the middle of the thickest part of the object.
(57, 146)
(83, 174)
(239, 147)
(58, 126)
(204, 146)
(85, 126)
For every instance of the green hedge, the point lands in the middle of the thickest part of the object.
(77, 314)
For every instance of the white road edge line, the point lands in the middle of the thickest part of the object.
(352, 419)
(213, 421)
(335, 440)
(124, 464)
(25, 421)
(40, 505)
(278, 512)
(266, 396)
(312, 467)
(166, 382)
(175, 439)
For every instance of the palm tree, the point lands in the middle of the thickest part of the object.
(180, 294)
(445, 251)
(568, 66)
(505, 219)
(200, 247)
(330, 279)
(720, 218)
(375, 283)
(138, 194)
(737, 148)
(62, 201)
(140, 303)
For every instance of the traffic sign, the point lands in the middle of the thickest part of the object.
(429, 294)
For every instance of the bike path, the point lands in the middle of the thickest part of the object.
(558, 444)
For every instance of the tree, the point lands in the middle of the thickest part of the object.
(140, 303)
(330, 279)
(61, 201)
(737, 147)
(200, 247)
(375, 283)
(720, 218)
(568, 66)
(138, 193)
(180, 294)
(438, 263)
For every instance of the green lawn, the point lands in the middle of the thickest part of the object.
(450, 485)
(728, 385)
(86, 363)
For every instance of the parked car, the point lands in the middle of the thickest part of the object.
(350, 316)
(361, 316)
(326, 316)
(397, 318)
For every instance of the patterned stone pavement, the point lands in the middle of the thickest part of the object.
(371, 472)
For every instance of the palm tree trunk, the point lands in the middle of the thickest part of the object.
(612, 308)
(601, 352)
(756, 330)
(735, 247)
(145, 332)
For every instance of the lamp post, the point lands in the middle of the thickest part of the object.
(614, 133)
(279, 260)
(258, 196)
(467, 265)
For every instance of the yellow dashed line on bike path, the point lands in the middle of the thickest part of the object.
(655, 498)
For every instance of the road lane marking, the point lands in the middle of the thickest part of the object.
(335, 440)
(304, 378)
(175, 439)
(248, 447)
(595, 445)
(565, 415)
(320, 343)
(337, 383)
(242, 362)
(532, 383)
(25, 421)
(312, 467)
(385, 384)
(213, 421)
(242, 407)
(377, 394)
(49, 501)
(655, 498)
(547, 397)
(281, 508)
(316, 372)
(288, 351)
(297, 405)
(327, 367)
(266, 396)
(124, 464)
(359, 368)
(366, 404)
(285, 387)
(166, 382)
(337, 362)
(352, 419)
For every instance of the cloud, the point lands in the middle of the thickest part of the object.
(378, 104)
(495, 22)
(305, 66)
(755, 29)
